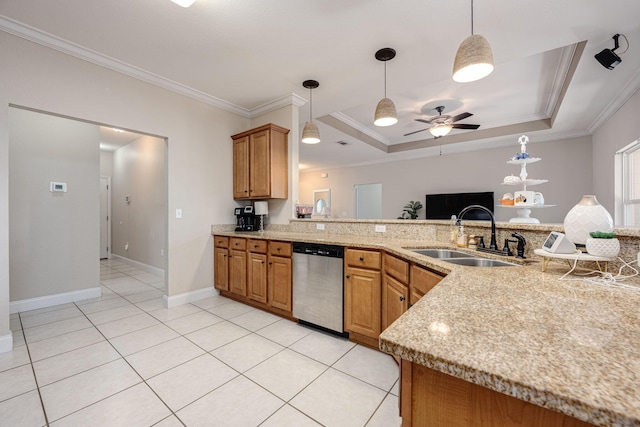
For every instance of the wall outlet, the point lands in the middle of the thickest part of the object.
(126, 246)
(161, 252)
(319, 226)
(381, 228)
(178, 213)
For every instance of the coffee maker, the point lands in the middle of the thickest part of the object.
(245, 219)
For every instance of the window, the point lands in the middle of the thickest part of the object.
(628, 197)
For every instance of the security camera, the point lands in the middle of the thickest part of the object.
(608, 57)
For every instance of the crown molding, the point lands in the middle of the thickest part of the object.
(618, 101)
(569, 59)
(61, 45)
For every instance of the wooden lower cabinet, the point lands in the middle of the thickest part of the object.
(362, 301)
(395, 300)
(238, 272)
(257, 277)
(280, 283)
(221, 269)
(421, 282)
(429, 398)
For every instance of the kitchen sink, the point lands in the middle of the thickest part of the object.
(462, 258)
(442, 253)
(480, 262)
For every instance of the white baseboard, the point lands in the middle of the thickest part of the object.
(55, 299)
(6, 343)
(142, 266)
(187, 297)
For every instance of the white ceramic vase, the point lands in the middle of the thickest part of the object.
(587, 216)
(608, 248)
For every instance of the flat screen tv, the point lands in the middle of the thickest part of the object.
(442, 206)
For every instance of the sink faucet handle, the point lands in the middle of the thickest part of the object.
(506, 251)
(521, 242)
(480, 242)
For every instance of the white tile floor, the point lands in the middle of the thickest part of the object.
(124, 360)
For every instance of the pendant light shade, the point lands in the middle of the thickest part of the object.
(440, 130)
(184, 3)
(310, 132)
(474, 59)
(386, 114)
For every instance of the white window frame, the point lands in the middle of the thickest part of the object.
(623, 184)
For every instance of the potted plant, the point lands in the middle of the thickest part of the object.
(410, 210)
(603, 244)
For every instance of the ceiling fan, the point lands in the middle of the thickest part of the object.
(441, 125)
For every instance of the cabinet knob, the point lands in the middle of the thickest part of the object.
(255, 246)
(278, 249)
(225, 255)
(270, 263)
(401, 298)
(361, 258)
(261, 262)
(348, 276)
(230, 256)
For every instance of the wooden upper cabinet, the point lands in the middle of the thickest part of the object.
(260, 163)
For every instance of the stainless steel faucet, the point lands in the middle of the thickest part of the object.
(493, 245)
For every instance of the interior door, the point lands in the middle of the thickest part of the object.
(104, 218)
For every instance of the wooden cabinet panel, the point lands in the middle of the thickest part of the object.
(363, 258)
(422, 281)
(221, 269)
(397, 268)
(362, 301)
(280, 248)
(257, 277)
(220, 241)
(241, 168)
(258, 246)
(395, 300)
(280, 282)
(260, 163)
(238, 243)
(238, 271)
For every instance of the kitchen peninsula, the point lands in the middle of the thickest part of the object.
(569, 347)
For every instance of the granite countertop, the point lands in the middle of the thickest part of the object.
(570, 346)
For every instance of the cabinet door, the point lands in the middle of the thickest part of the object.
(280, 279)
(362, 301)
(257, 277)
(241, 168)
(422, 281)
(395, 300)
(259, 165)
(238, 272)
(221, 272)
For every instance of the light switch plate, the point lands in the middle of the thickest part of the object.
(381, 228)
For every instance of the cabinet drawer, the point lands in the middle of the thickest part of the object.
(279, 248)
(258, 246)
(363, 259)
(238, 243)
(396, 268)
(220, 241)
(422, 281)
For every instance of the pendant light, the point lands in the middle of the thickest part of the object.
(183, 3)
(474, 59)
(386, 114)
(310, 133)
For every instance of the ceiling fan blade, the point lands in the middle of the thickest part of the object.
(411, 133)
(460, 117)
(427, 121)
(464, 126)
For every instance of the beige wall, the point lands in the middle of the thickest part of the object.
(566, 164)
(619, 131)
(138, 228)
(53, 236)
(199, 148)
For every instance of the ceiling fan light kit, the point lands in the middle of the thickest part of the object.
(440, 130)
(474, 59)
(386, 114)
(310, 132)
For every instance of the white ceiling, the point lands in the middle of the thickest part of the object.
(243, 55)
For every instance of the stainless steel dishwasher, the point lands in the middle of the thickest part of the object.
(318, 285)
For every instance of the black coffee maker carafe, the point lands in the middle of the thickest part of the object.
(245, 219)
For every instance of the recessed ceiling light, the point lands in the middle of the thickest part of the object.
(184, 3)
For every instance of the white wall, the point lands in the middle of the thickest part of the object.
(53, 236)
(106, 163)
(199, 148)
(566, 164)
(620, 130)
(138, 228)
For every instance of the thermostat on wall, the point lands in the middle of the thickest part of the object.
(58, 187)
